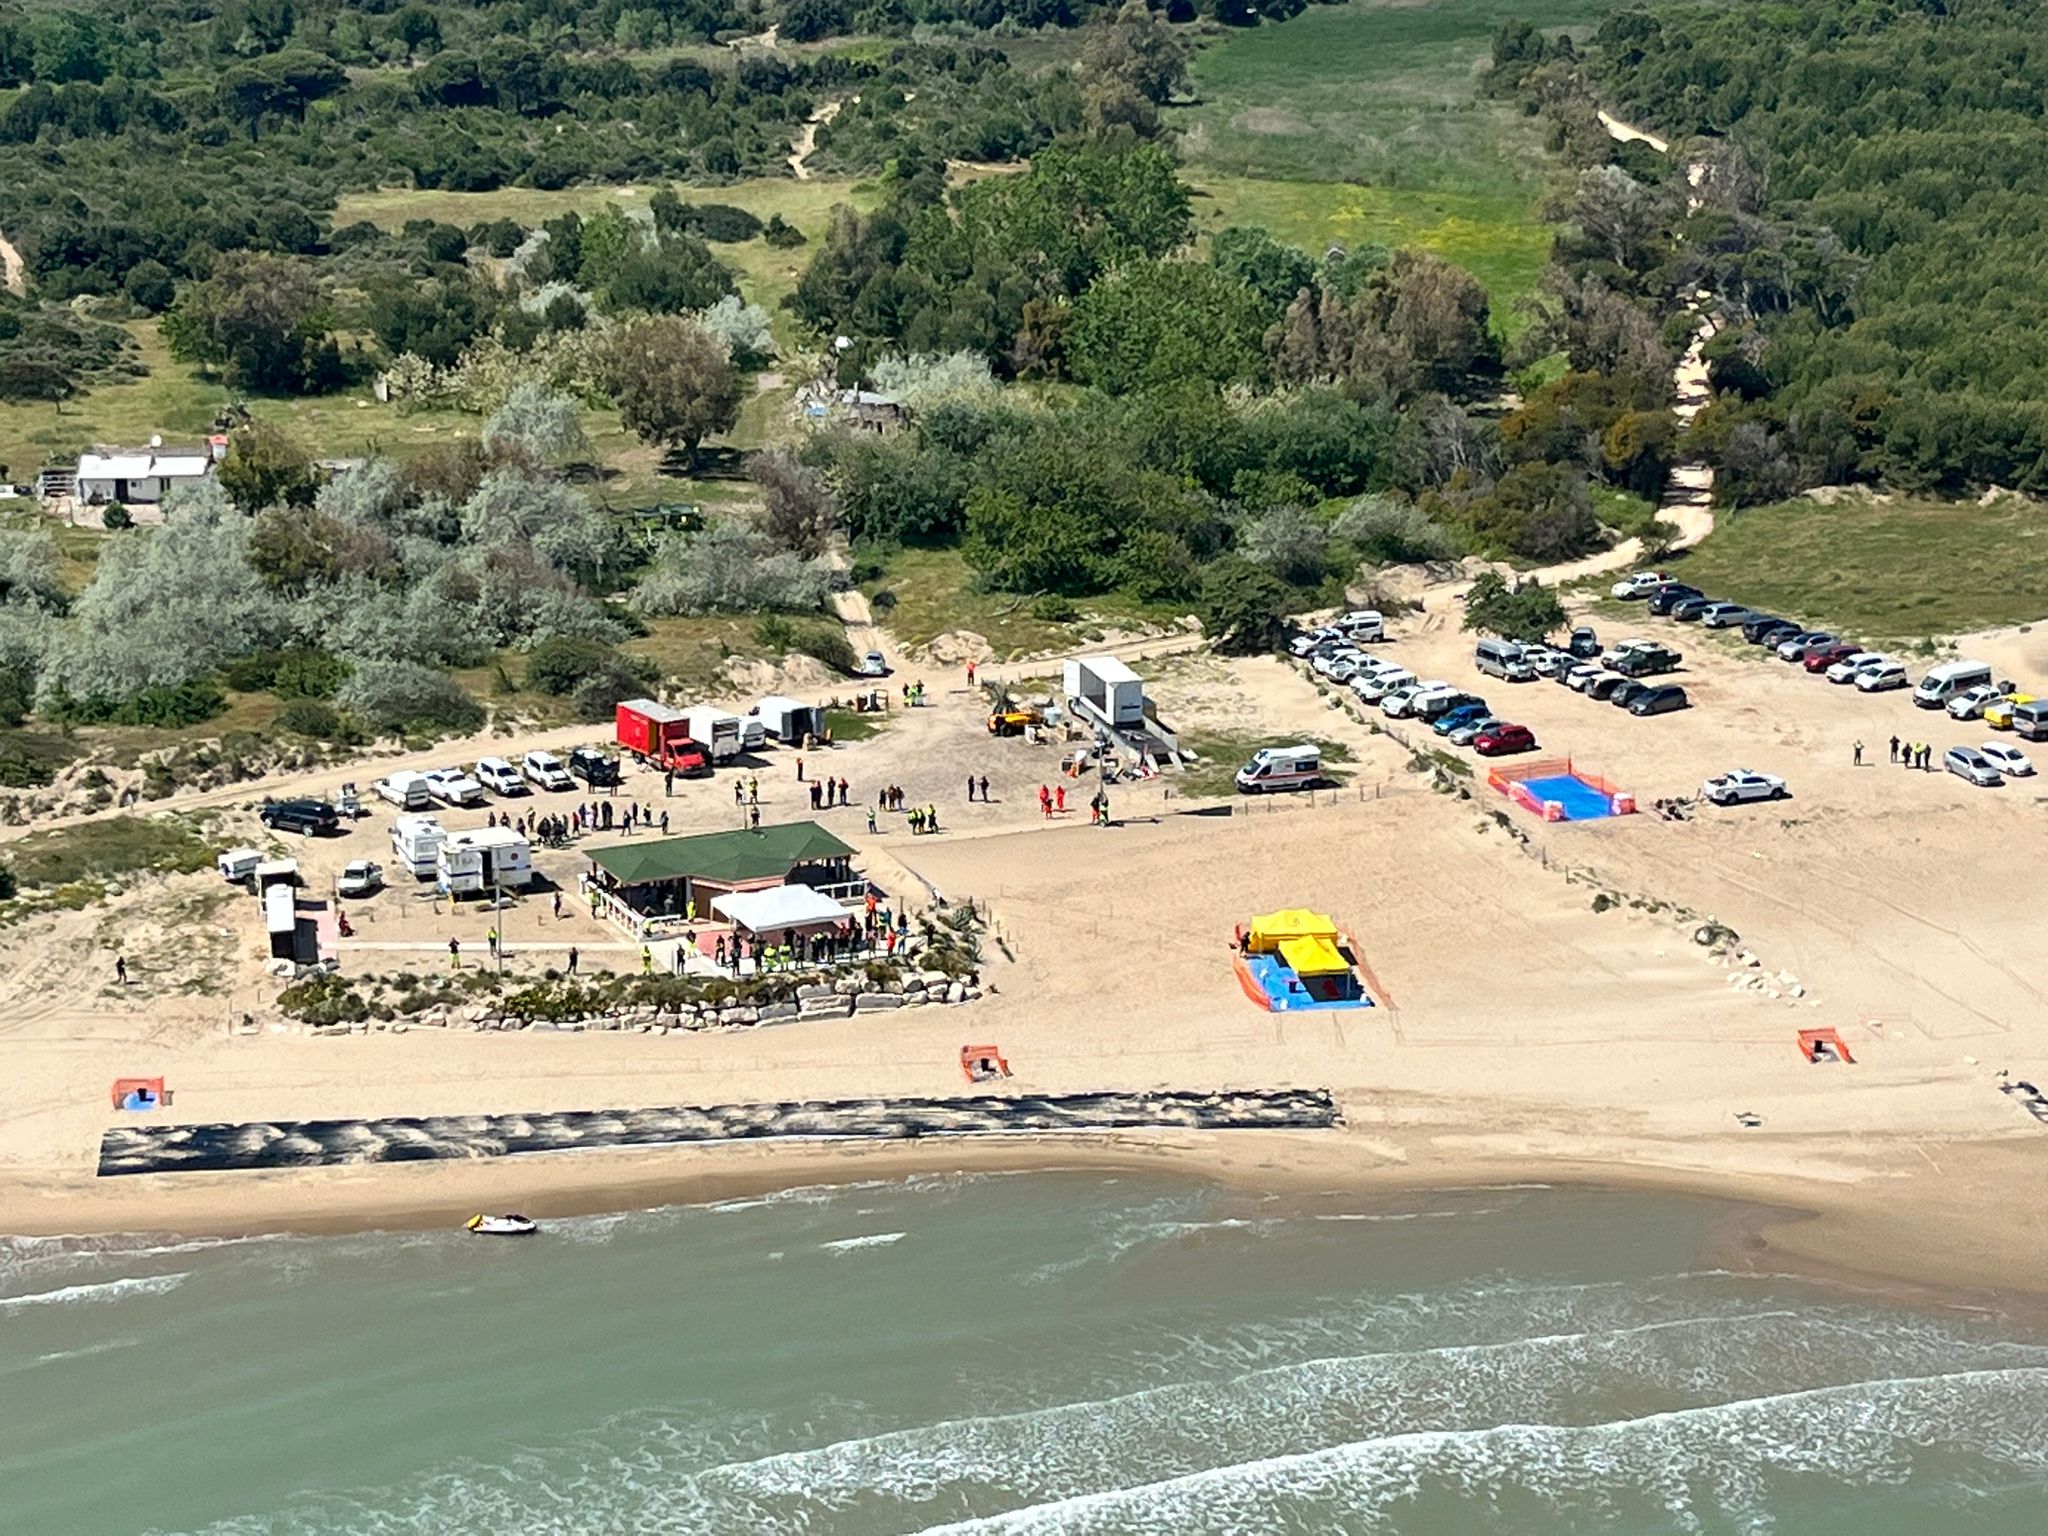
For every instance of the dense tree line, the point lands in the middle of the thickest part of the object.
(1870, 215)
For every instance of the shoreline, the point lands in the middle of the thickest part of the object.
(1908, 1248)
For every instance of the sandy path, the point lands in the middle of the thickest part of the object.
(11, 268)
(807, 139)
(1688, 501)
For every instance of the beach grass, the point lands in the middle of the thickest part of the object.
(1896, 569)
(107, 848)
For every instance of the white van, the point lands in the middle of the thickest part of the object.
(1881, 677)
(1361, 625)
(416, 844)
(407, 791)
(1273, 768)
(1944, 682)
(544, 770)
(1503, 659)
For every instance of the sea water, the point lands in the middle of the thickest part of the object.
(1073, 1352)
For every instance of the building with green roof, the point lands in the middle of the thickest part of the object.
(661, 880)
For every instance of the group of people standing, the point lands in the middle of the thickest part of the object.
(550, 831)
(823, 791)
(1913, 754)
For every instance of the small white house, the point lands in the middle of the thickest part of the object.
(142, 476)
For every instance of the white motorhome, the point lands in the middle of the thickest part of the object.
(1944, 682)
(1276, 768)
(416, 845)
(474, 863)
(407, 791)
(715, 730)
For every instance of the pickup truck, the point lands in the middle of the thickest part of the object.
(1644, 660)
(1740, 784)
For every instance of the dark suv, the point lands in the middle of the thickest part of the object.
(594, 768)
(305, 817)
(1767, 629)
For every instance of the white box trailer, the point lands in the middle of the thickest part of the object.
(788, 720)
(473, 863)
(1103, 688)
(416, 845)
(281, 920)
(717, 731)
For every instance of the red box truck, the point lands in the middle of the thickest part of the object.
(660, 737)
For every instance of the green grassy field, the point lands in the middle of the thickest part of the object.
(1492, 236)
(1902, 570)
(1379, 97)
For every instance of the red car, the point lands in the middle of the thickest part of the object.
(1828, 655)
(1503, 739)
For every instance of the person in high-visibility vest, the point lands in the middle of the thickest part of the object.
(646, 960)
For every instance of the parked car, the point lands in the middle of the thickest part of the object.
(1642, 584)
(1999, 715)
(308, 818)
(1688, 609)
(1819, 658)
(1361, 625)
(1671, 593)
(1430, 706)
(872, 664)
(1581, 677)
(451, 786)
(1661, 700)
(1464, 735)
(1547, 662)
(1767, 629)
(1603, 686)
(1343, 669)
(499, 776)
(1644, 660)
(1882, 677)
(1324, 660)
(1625, 691)
(1794, 646)
(545, 771)
(593, 767)
(1845, 670)
(1971, 703)
(1503, 739)
(1396, 703)
(1738, 785)
(1584, 643)
(1375, 687)
(1722, 615)
(359, 878)
(1969, 764)
(1462, 714)
(2010, 761)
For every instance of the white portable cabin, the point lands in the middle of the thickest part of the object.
(281, 920)
(717, 731)
(788, 720)
(473, 863)
(1103, 689)
(416, 845)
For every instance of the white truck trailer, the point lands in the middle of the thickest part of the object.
(717, 731)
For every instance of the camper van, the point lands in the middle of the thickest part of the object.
(1944, 682)
(416, 844)
(476, 862)
(1275, 768)
(407, 791)
(1503, 659)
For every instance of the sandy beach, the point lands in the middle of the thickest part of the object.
(1552, 1019)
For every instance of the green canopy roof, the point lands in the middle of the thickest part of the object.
(732, 857)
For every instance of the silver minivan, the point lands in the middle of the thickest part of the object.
(1503, 659)
(2030, 721)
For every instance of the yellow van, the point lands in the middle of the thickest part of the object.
(1999, 716)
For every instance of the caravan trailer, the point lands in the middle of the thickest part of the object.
(476, 862)
(416, 844)
(789, 721)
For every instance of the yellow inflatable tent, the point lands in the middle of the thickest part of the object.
(1275, 929)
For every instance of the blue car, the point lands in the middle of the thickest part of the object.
(1451, 719)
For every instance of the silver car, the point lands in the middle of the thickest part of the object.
(1970, 764)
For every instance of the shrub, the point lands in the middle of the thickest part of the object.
(1524, 612)
(405, 697)
(311, 718)
(883, 601)
(166, 706)
(728, 567)
(782, 234)
(114, 517)
(563, 663)
(1390, 532)
(1052, 608)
